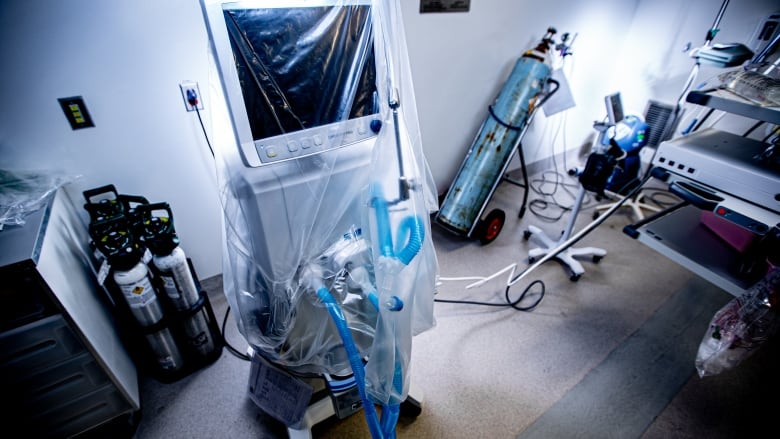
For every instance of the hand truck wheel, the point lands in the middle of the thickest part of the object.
(491, 226)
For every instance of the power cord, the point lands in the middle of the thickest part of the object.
(229, 347)
(538, 205)
(509, 302)
(513, 279)
(192, 99)
(581, 234)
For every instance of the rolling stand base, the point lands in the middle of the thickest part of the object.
(635, 204)
(567, 257)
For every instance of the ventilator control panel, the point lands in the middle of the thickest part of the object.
(314, 140)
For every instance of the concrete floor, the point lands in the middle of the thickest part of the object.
(611, 355)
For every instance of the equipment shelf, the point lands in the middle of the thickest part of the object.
(679, 235)
(678, 232)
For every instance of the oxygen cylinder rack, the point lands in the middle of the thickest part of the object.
(528, 86)
(176, 321)
(107, 209)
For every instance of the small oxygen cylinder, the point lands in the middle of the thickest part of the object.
(493, 146)
(103, 202)
(177, 280)
(132, 277)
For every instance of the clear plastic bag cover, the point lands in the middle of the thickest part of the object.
(24, 192)
(294, 226)
(287, 55)
(741, 327)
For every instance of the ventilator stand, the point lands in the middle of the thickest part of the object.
(668, 129)
(546, 244)
(636, 204)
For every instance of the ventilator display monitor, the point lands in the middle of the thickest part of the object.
(295, 66)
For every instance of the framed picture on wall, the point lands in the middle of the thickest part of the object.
(444, 6)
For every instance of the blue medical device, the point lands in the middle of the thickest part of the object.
(630, 134)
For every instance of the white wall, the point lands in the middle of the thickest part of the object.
(655, 64)
(126, 58)
(460, 61)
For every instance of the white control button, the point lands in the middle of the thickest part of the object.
(306, 143)
(317, 139)
(292, 146)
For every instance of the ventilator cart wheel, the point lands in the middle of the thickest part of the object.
(491, 226)
(411, 408)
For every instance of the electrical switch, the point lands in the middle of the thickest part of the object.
(76, 112)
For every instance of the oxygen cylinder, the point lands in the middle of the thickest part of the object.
(493, 146)
(177, 280)
(132, 277)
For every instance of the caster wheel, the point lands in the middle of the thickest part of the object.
(527, 234)
(411, 408)
(491, 226)
(531, 260)
(597, 259)
(595, 215)
(575, 277)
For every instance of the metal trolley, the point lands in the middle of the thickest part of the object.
(528, 86)
(487, 161)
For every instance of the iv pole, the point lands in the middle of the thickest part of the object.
(670, 126)
(568, 255)
(678, 109)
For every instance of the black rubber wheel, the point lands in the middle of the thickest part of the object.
(597, 259)
(531, 260)
(491, 226)
(527, 234)
(410, 408)
(574, 277)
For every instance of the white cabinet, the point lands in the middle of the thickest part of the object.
(63, 367)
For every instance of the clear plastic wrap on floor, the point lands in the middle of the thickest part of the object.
(741, 327)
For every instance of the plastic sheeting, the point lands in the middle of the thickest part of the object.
(22, 193)
(332, 189)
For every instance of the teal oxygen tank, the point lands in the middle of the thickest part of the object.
(492, 148)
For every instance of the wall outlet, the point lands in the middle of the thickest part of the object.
(191, 91)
